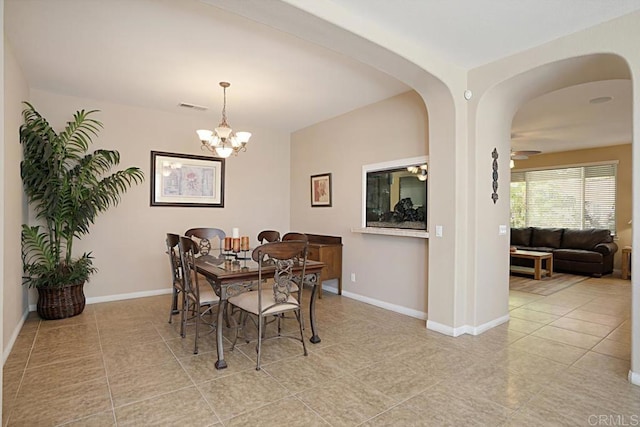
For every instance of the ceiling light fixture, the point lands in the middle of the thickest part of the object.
(421, 171)
(223, 141)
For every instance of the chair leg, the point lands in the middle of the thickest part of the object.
(174, 304)
(197, 319)
(260, 327)
(183, 316)
(299, 316)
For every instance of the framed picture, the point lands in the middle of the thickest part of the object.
(186, 180)
(321, 190)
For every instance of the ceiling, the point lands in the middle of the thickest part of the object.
(159, 53)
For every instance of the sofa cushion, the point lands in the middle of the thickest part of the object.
(538, 249)
(546, 237)
(577, 255)
(521, 236)
(584, 239)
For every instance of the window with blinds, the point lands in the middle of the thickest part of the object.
(574, 197)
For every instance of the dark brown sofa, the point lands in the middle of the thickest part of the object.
(587, 251)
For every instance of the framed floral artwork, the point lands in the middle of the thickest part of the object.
(186, 180)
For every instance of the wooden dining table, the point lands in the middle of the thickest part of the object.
(229, 276)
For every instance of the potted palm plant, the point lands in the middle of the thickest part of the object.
(67, 187)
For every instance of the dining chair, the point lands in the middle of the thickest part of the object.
(267, 236)
(178, 301)
(197, 297)
(204, 237)
(295, 236)
(274, 299)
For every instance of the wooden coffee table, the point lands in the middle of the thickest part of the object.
(537, 258)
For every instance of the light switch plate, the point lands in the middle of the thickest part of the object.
(502, 230)
(438, 231)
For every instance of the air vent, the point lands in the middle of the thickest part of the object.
(193, 106)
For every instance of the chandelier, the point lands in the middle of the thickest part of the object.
(223, 141)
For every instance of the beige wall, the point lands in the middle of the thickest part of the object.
(128, 240)
(620, 153)
(388, 269)
(606, 51)
(14, 297)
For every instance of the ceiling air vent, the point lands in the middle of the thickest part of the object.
(193, 106)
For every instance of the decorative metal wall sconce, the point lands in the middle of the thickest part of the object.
(494, 195)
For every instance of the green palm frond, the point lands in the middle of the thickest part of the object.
(67, 187)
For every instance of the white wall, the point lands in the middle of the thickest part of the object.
(128, 241)
(389, 269)
(14, 296)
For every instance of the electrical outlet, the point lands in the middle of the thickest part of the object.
(438, 231)
(502, 230)
(353, 277)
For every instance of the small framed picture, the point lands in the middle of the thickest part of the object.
(321, 190)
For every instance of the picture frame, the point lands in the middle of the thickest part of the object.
(321, 190)
(186, 180)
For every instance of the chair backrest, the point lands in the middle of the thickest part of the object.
(268, 236)
(174, 257)
(188, 251)
(295, 236)
(204, 237)
(285, 256)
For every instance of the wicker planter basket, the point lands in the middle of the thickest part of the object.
(60, 303)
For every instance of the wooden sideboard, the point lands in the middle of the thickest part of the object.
(327, 249)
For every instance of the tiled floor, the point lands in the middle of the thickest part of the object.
(561, 360)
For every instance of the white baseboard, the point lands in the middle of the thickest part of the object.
(332, 289)
(446, 330)
(14, 336)
(382, 304)
(466, 329)
(634, 378)
(119, 297)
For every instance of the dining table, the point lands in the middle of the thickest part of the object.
(230, 275)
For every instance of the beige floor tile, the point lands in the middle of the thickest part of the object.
(395, 379)
(566, 336)
(595, 329)
(64, 404)
(533, 316)
(545, 307)
(496, 383)
(87, 317)
(346, 401)
(589, 316)
(621, 335)
(302, 373)
(48, 378)
(62, 351)
(603, 364)
(273, 350)
(103, 419)
(438, 406)
(524, 326)
(534, 367)
(235, 394)
(147, 381)
(621, 350)
(184, 407)
(556, 351)
(286, 412)
(135, 356)
(201, 367)
(399, 415)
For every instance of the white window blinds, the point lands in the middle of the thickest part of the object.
(575, 197)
